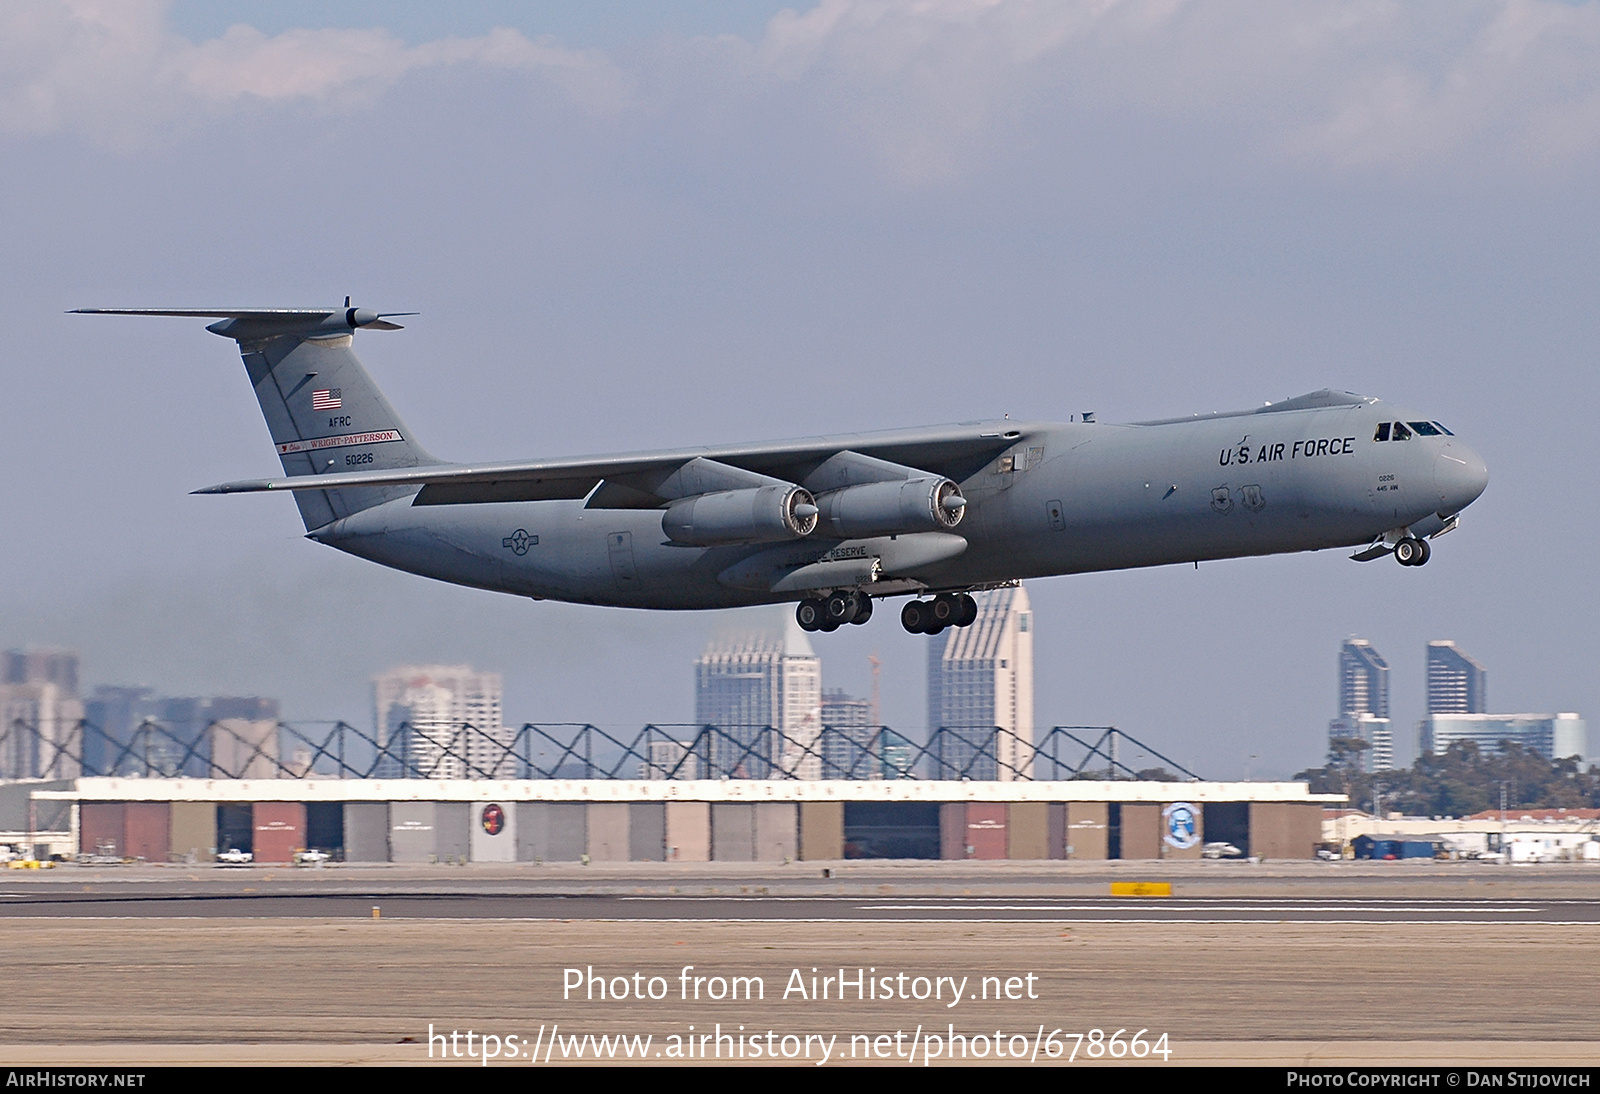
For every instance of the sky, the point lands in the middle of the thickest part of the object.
(637, 225)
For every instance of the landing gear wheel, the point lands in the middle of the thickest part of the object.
(838, 608)
(914, 616)
(863, 609)
(1408, 552)
(943, 611)
(966, 610)
(828, 627)
(808, 613)
(1427, 553)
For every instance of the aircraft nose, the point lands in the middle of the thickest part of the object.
(1459, 475)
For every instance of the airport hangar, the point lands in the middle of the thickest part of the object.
(614, 820)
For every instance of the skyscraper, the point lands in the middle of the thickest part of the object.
(1364, 704)
(41, 734)
(845, 749)
(58, 667)
(1456, 683)
(40, 715)
(746, 683)
(980, 679)
(443, 722)
(1363, 679)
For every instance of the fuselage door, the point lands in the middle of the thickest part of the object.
(620, 545)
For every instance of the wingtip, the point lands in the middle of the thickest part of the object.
(246, 486)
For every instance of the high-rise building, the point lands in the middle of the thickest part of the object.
(41, 734)
(1364, 704)
(442, 722)
(847, 746)
(1553, 736)
(246, 748)
(1456, 683)
(58, 667)
(1376, 733)
(980, 681)
(1363, 679)
(114, 715)
(669, 759)
(40, 716)
(748, 683)
(134, 731)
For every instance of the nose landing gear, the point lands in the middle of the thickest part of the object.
(1412, 552)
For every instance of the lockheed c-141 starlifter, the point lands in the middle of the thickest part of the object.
(834, 522)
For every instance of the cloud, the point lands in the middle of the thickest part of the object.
(927, 90)
(932, 86)
(114, 69)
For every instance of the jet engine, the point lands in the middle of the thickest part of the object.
(925, 504)
(763, 514)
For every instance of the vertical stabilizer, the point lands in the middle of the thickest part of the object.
(326, 415)
(323, 411)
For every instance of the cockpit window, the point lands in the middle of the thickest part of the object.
(1443, 430)
(1424, 429)
(1383, 432)
(1400, 431)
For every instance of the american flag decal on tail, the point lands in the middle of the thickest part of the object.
(327, 399)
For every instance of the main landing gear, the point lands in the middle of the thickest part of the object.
(1412, 552)
(944, 610)
(832, 612)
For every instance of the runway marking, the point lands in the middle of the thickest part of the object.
(821, 920)
(1163, 907)
(1331, 901)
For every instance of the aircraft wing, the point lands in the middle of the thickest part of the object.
(646, 480)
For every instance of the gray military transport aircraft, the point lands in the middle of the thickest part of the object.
(832, 522)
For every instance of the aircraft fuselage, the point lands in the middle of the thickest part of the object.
(1061, 499)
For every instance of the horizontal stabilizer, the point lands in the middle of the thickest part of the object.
(321, 407)
(254, 324)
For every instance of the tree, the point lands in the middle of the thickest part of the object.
(1459, 781)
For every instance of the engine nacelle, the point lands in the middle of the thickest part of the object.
(926, 504)
(762, 514)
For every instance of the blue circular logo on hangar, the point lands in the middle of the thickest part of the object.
(1182, 821)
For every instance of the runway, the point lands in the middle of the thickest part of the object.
(1293, 962)
(1203, 892)
(767, 908)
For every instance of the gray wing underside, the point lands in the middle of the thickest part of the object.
(635, 480)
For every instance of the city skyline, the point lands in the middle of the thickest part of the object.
(1453, 679)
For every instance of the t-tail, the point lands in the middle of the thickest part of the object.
(325, 414)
